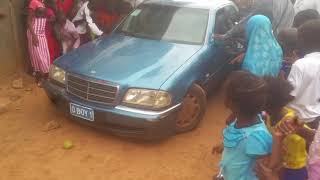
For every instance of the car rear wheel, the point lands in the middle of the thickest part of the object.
(192, 109)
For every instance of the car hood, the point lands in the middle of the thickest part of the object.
(126, 60)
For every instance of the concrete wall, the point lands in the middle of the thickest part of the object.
(13, 49)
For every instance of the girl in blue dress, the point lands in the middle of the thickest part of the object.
(247, 139)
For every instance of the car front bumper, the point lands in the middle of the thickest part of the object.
(120, 120)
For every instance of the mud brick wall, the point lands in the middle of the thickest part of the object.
(13, 49)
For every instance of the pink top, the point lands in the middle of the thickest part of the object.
(34, 4)
(69, 36)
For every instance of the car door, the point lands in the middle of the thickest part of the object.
(217, 56)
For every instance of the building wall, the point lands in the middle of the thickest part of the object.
(13, 49)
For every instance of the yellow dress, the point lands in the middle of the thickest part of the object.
(294, 146)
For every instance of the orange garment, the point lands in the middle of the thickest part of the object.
(65, 5)
(106, 20)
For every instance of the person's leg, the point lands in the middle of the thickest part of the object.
(38, 78)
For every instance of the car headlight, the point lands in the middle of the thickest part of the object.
(57, 74)
(151, 99)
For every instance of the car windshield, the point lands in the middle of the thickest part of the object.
(168, 23)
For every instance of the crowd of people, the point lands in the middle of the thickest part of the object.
(273, 132)
(55, 27)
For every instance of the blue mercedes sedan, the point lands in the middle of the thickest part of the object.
(150, 78)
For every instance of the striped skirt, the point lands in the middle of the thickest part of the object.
(39, 55)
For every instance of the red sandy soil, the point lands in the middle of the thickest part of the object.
(29, 153)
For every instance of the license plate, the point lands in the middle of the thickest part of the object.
(82, 112)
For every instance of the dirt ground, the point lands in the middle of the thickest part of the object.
(27, 152)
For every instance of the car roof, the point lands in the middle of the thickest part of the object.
(203, 4)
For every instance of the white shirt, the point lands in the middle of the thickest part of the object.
(283, 14)
(305, 78)
(84, 14)
(301, 5)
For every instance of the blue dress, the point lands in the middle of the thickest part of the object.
(241, 149)
(264, 54)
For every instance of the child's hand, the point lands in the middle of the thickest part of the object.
(217, 149)
(277, 133)
(264, 173)
(288, 126)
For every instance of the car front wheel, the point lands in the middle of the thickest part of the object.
(192, 109)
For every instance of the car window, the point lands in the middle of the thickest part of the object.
(167, 23)
(226, 18)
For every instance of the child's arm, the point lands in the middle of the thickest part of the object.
(275, 157)
(264, 173)
(307, 133)
(260, 146)
(93, 27)
(282, 75)
(264, 164)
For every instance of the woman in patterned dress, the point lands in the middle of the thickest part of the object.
(37, 42)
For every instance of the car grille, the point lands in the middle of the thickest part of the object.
(90, 90)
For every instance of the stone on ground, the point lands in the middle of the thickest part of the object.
(17, 83)
(28, 89)
(52, 125)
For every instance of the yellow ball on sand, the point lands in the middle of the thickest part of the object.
(67, 144)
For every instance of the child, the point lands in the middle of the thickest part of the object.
(294, 155)
(305, 73)
(84, 22)
(67, 33)
(246, 139)
(305, 79)
(288, 39)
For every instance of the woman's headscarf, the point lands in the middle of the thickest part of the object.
(264, 55)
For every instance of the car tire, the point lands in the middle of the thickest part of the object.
(192, 109)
